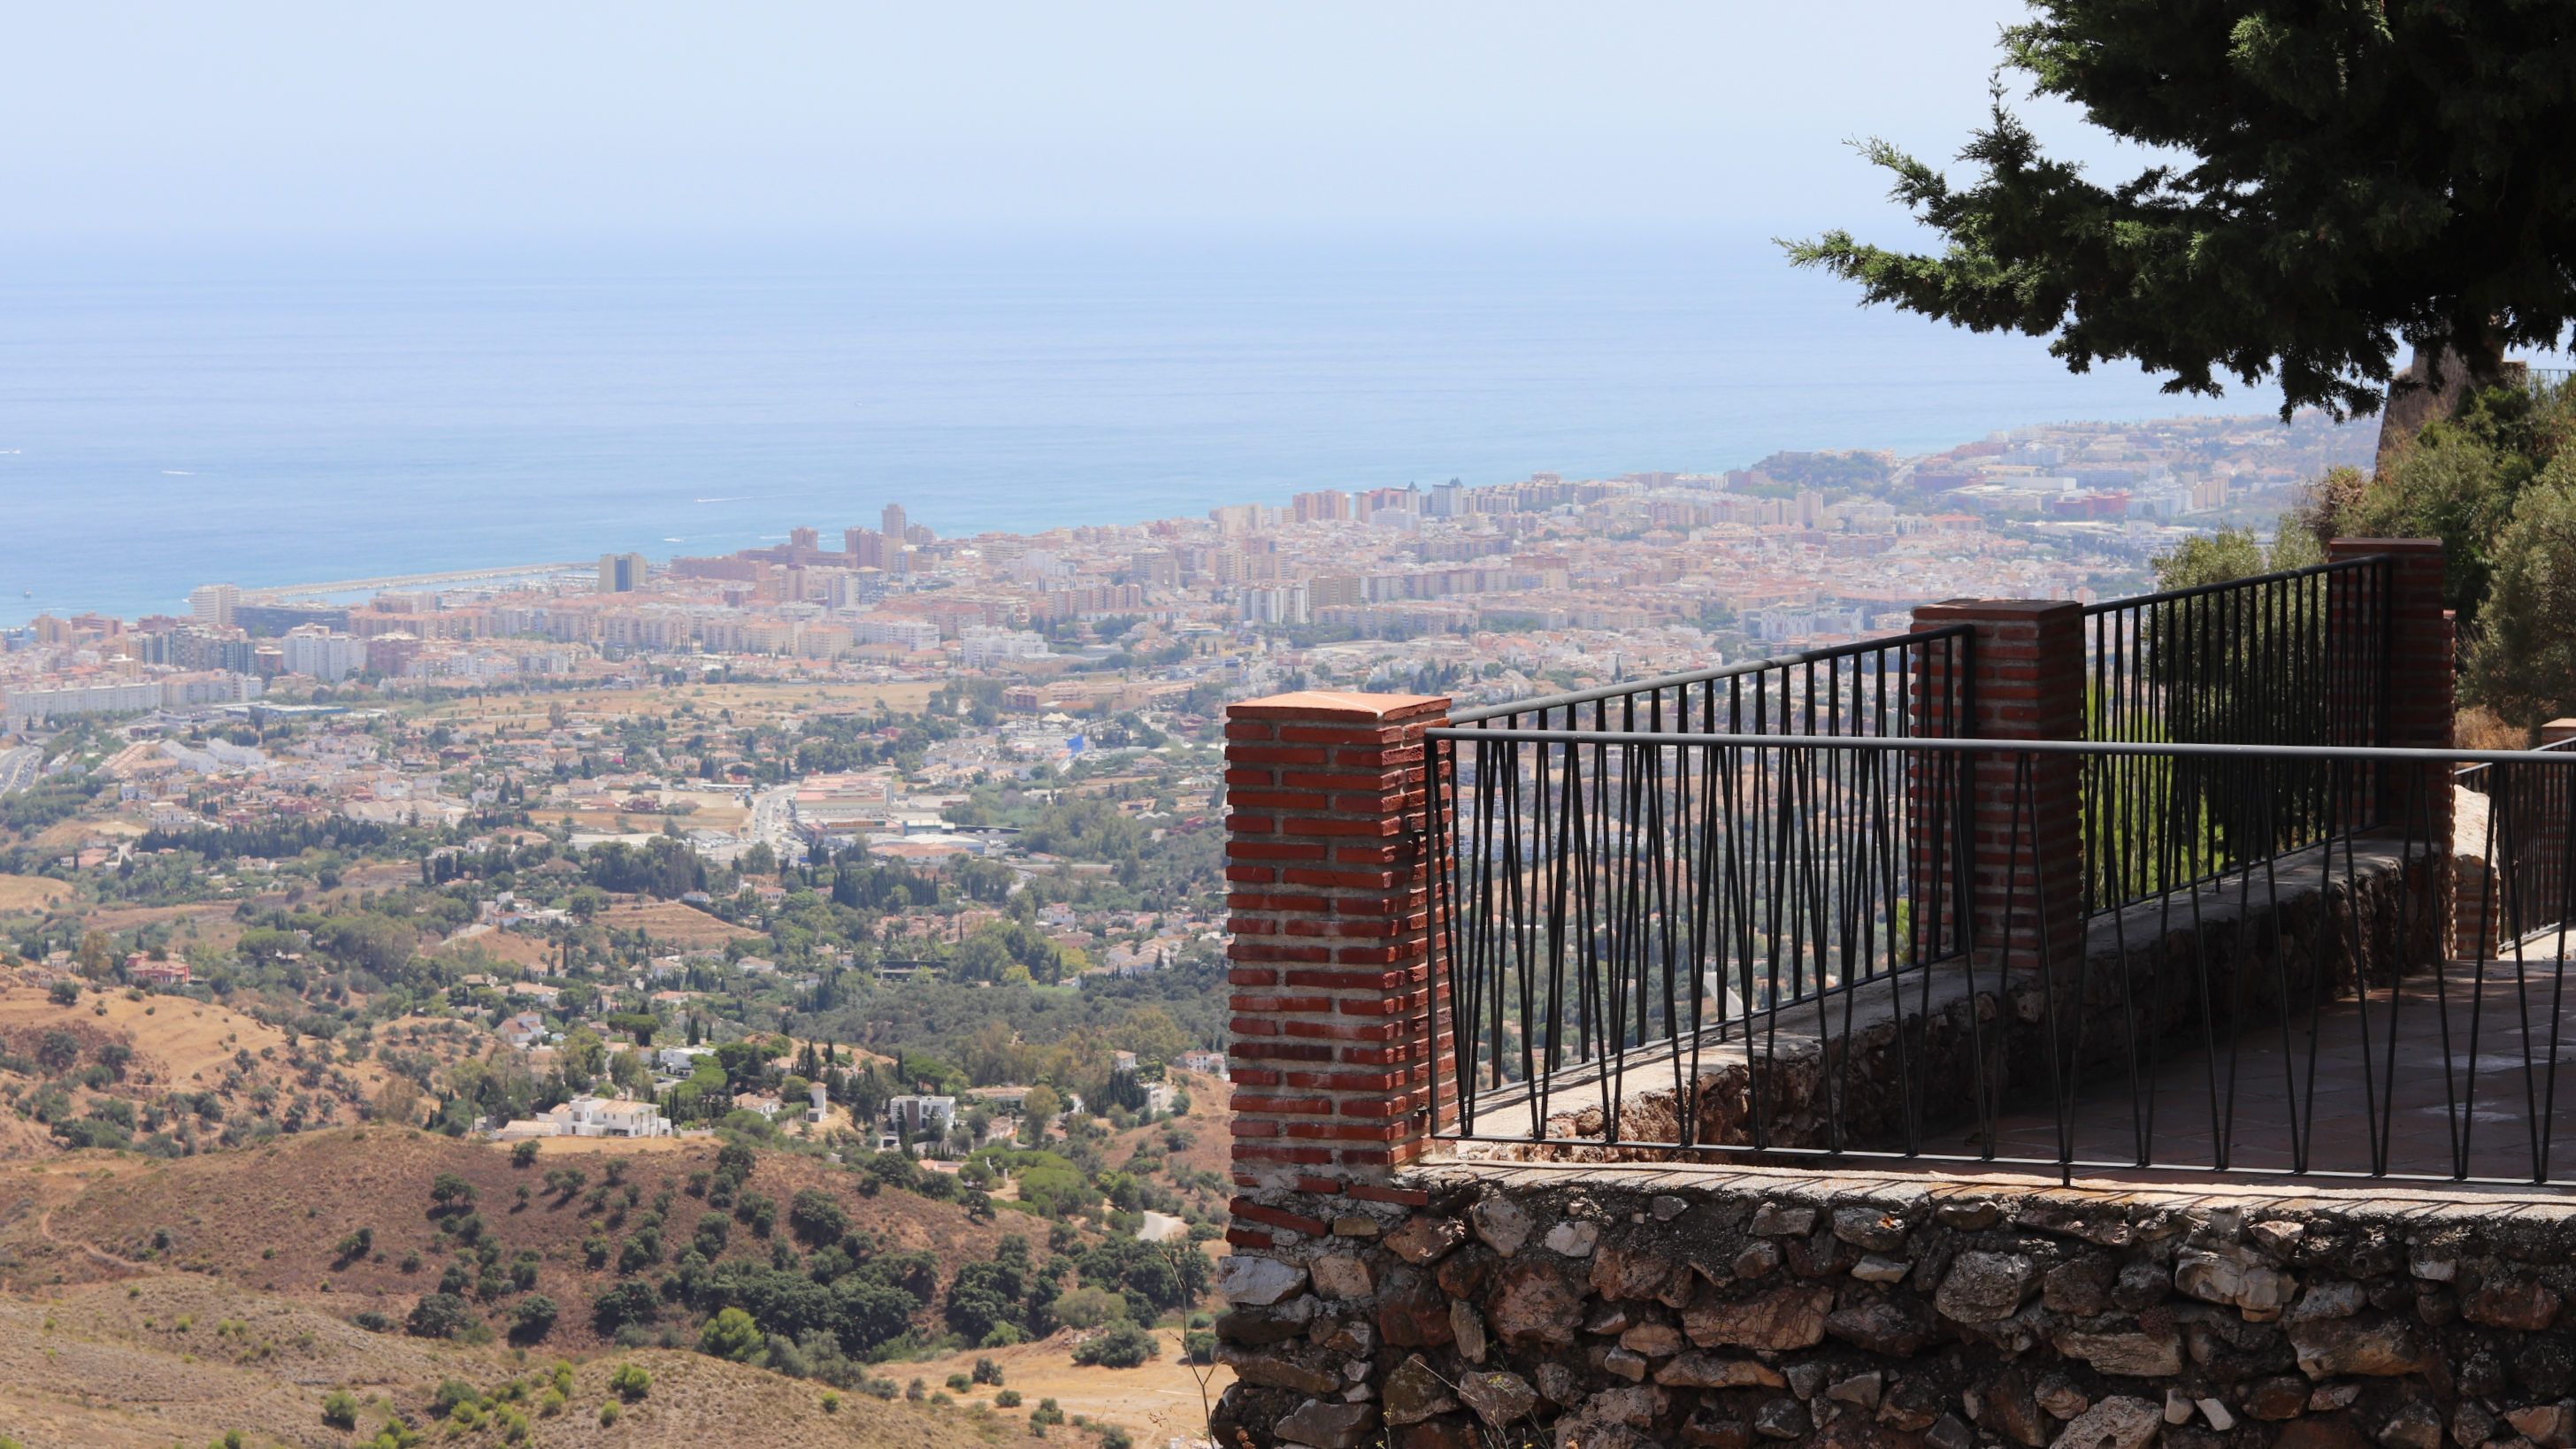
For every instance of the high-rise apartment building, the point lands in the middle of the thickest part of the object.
(894, 523)
(621, 573)
(803, 538)
(1326, 591)
(1323, 506)
(213, 604)
(1287, 604)
(1155, 568)
(192, 647)
(327, 656)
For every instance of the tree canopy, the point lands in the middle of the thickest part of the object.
(2347, 175)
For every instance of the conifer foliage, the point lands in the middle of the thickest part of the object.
(2341, 176)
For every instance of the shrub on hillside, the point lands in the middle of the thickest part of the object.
(451, 1392)
(731, 1334)
(817, 1217)
(533, 1316)
(439, 1315)
(620, 1304)
(1123, 1346)
(1088, 1307)
(92, 1132)
(631, 1381)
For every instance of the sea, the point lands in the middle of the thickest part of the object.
(172, 419)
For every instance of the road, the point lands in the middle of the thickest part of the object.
(20, 767)
(773, 819)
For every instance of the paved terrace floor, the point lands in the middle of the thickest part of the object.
(2480, 1081)
(2479, 1084)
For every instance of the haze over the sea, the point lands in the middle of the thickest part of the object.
(270, 419)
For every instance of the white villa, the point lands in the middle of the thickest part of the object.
(590, 1117)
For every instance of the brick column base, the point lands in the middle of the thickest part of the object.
(2025, 830)
(2422, 699)
(1333, 998)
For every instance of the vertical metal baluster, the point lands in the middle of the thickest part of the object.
(2269, 773)
(2562, 809)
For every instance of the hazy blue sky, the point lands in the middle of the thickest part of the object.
(644, 120)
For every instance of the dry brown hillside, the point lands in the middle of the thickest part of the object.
(270, 1217)
(182, 1358)
(148, 1301)
(176, 1045)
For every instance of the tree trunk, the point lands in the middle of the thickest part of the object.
(2414, 399)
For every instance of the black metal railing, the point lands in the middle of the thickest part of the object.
(1579, 859)
(1657, 942)
(1904, 684)
(2517, 873)
(2293, 658)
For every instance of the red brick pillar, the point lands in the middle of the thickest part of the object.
(2420, 667)
(2544, 842)
(2025, 848)
(2421, 691)
(1332, 1029)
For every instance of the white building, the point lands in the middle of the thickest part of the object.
(323, 654)
(212, 686)
(213, 604)
(590, 1117)
(1775, 624)
(920, 1118)
(680, 1061)
(1286, 604)
(912, 633)
(24, 707)
(985, 646)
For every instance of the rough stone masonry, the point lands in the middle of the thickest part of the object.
(1611, 1307)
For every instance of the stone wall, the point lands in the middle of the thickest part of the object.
(1620, 1306)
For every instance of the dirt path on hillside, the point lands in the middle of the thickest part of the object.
(45, 1230)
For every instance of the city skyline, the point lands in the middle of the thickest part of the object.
(1498, 589)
